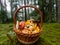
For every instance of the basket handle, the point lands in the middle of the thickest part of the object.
(32, 6)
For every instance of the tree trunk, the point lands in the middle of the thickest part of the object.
(50, 10)
(25, 10)
(11, 10)
(0, 9)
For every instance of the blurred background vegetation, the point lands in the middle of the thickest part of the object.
(8, 7)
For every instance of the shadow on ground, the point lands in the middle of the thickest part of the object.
(40, 41)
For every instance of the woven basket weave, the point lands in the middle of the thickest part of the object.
(27, 38)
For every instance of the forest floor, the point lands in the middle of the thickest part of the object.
(50, 35)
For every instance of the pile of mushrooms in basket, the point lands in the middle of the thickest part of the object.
(28, 27)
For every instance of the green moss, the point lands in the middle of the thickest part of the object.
(50, 35)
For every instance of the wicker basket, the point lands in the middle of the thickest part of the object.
(27, 38)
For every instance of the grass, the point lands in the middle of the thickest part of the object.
(50, 35)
